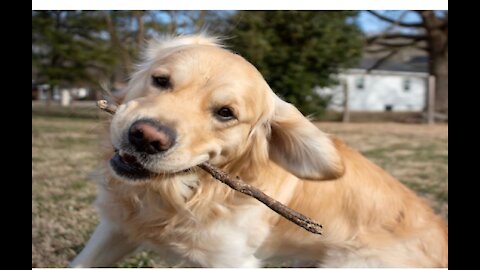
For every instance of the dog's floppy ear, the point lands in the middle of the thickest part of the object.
(300, 147)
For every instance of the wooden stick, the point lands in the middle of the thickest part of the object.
(240, 186)
(104, 105)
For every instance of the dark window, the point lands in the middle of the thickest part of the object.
(406, 85)
(360, 83)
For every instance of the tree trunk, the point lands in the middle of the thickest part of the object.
(437, 38)
(118, 47)
(141, 30)
(200, 21)
(172, 26)
(439, 68)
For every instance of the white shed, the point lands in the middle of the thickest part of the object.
(391, 87)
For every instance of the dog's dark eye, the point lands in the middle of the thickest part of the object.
(161, 82)
(225, 114)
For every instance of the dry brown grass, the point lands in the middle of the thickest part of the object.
(415, 154)
(65, 154)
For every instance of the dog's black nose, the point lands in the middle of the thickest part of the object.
(151, 137)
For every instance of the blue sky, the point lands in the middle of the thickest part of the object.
(370, 24)
(367, 22)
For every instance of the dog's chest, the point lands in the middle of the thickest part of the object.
(208, 234)
(223, 241)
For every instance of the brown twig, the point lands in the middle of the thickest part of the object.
(104, 105)
(240, 186)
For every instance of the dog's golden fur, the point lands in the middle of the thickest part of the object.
(370, 219)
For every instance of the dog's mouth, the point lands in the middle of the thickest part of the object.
(129, 167)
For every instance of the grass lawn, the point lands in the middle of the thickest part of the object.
(65, 155)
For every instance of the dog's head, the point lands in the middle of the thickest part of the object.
(192, 101)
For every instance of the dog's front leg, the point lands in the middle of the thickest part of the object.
(107, 245)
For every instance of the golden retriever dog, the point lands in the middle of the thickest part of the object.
(190, 101)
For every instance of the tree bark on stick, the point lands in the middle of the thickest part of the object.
(240, 186)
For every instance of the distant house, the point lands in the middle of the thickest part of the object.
(393, 86)
(40, 92)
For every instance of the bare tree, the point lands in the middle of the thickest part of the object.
(429, 34)
(141, 29)
(118, 48)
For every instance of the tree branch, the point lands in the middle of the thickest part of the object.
(382, 60)
(396, 45)
(419, 37)
(395, 22)
(387, 46)
(240, 186)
